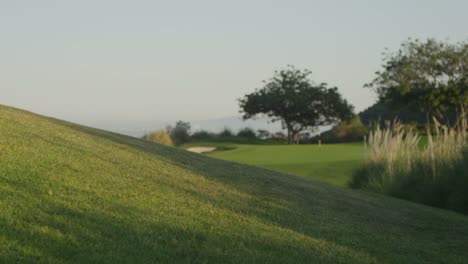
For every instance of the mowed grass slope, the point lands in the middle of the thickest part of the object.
(75, 194)
(333, 163)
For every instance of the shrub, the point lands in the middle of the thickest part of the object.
(226, 132)
(435, 174)
(202, 135)
(162, 137)
(247, 132)
(180, 134)
(352, 130)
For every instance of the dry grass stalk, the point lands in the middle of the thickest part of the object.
(397, 148)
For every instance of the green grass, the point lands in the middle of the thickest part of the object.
(72, 194)
(333, 163)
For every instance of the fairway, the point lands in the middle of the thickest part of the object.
(333, 163)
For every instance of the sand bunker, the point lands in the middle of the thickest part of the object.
(201, 149)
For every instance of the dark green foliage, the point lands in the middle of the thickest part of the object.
(447, 190)
(180, 134)
(291, 97)
(226, 132)
(431, 76)
(379, 113)
(244, 136)
(346, 131)
(202, 135)
(247, 132)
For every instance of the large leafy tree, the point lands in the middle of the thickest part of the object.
(431, 76)
(292, 98)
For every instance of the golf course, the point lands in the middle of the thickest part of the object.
(333, 163)
(71, 193)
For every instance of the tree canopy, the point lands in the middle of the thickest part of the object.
(292, 98)
(431, 76)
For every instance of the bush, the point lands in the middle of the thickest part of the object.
(180, 134)
(226, 132)
(245, 136)
(162, 137)
(247, 132)
(202, 135)
(436, 174)
(352, 130)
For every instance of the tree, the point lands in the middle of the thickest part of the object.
(380, 113)
(202, 135)
(431, 76)
(247, 132)
(290, 97)
(226, 132)
(180, 134)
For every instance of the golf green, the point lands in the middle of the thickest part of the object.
(333, 163)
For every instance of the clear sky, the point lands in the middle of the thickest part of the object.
(135, 61)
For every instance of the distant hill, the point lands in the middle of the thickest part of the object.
(75, 194)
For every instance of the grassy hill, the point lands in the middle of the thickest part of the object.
(75, 194)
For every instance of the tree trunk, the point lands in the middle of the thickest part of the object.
(289, 134)
(292, 134)
(294, 137)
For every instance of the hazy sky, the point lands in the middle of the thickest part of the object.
(121, 61)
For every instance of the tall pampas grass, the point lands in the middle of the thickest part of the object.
(161, 136)
(392, 145)
(399, 164)
(447, 145)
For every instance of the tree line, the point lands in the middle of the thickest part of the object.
(419, 81)
(427, 76)
(181, 133)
